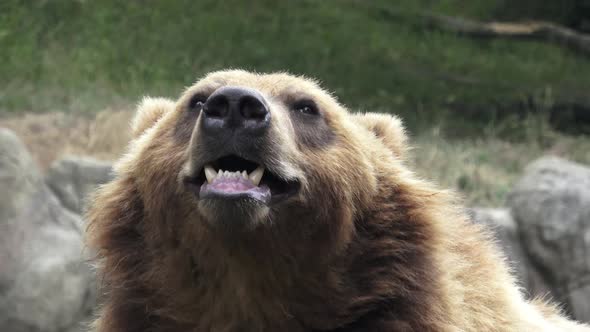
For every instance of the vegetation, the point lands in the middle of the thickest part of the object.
(484, 169)
(81, 57)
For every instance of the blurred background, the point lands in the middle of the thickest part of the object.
(495, 95)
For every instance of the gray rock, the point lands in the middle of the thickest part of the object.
(73, 178)
(45, 284)
(551, 204)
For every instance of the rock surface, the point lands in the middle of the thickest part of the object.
(45, 284)
(551, 204)
(72, 178)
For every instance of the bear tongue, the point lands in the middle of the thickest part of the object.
(231, 184)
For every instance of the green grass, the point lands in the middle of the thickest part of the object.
(83, 56)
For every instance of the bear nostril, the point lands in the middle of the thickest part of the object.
(252, 108)
(216, 107)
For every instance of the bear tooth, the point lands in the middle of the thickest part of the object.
(256, 175)
(219, 173)
(245, 174)
(210, 173)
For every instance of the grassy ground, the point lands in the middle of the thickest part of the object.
(485, 169)
(80, 57)
(83, 56)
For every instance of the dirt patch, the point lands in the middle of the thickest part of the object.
(52, 135)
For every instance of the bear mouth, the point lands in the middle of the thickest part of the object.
(233, 178)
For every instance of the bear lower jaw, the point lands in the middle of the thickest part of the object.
(233, 214)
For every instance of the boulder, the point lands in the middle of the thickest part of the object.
(551, 204)
(45, 284)
(73, 178)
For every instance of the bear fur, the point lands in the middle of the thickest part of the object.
(364, 245)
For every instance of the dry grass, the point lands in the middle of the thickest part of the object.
(485, 169)
(52, 135)
(482, 169)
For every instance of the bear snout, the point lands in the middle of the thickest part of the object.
(234, 110)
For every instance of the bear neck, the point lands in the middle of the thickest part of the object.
(269, 278)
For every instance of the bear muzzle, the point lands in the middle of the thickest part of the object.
(234, 167)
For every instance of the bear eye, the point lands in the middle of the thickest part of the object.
(196, 103)
(306, 107)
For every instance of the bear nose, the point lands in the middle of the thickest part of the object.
(236, 108)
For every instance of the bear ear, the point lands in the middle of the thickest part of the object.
(149, 111)
(389, 129)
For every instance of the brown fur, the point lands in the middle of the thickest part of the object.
(364, 246)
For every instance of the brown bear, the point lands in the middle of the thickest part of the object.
(256, 202)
